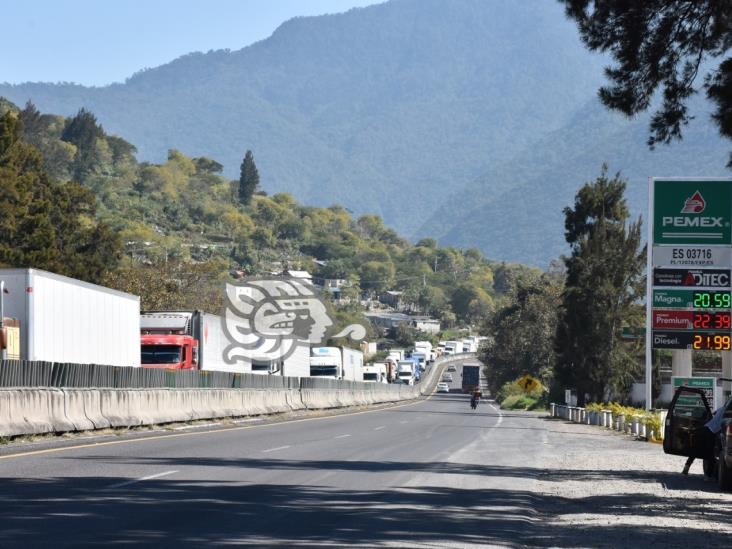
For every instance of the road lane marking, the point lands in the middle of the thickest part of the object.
(342, 436)
(198, 433)
(276, 449)
(403, 421)
(185, 427)
(136, 480)
(380, 427)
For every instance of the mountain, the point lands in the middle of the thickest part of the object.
(384, 109)
(516, 207)
(477, 115)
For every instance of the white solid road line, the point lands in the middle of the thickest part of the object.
(275, 449)
(500, 415)
(342, 436)
(380, 427)
(133, 481)
(184, 427)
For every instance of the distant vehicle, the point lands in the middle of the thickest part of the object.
(396, 354)
(61, 319)
(471, 377)
(453, 347)
(375, 373)
(686, 433)
(443, 388)
(446, 377)
(336, 363)
(406, 372)
(425, 347)
(451, 368)
(420, 359)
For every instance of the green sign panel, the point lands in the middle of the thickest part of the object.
(692, 299)
(708, 384)
(692, 212)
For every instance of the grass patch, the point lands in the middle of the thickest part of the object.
(520, 402)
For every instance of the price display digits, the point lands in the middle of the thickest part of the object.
(712, 342)
(712, 300)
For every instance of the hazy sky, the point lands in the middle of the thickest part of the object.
(96, 42)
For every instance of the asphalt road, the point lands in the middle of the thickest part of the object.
(426, 474)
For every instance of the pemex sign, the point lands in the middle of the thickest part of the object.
(692, 212)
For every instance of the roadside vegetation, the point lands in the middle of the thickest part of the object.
(77, 202)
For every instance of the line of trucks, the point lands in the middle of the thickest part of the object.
(55, 318)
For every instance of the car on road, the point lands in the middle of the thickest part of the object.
(443, 387)
(692, 430)
(447, 377)
(451, 368)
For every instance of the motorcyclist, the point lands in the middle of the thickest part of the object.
(475, 399)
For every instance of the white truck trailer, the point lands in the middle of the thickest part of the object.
(405, 372)
(336, 363)
(453, 347)
(66, 320)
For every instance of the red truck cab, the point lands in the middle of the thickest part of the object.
(169, 351)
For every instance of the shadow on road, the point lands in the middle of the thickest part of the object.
(86, 511)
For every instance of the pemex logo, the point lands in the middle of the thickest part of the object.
(694, 204)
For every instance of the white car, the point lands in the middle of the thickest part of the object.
(447, 377)
(443, 388)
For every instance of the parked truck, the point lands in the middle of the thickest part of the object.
(453, 347)
(336, 363)
(424, 347)
(185, 340)
(396, 354)
(406, 372)
(471, 376)
(375, 373)
(61, 319)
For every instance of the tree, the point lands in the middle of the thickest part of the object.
(248, 180)
(521, 333)
(661, 44)
(604, 279)
(83, 131)
(46, 224)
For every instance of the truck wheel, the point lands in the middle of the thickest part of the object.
(710, 466)
(724, 473)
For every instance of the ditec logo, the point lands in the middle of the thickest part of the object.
(267, 319)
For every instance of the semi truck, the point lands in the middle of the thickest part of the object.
(61, 319)
(375, 373)
(407, 372)
(185, 340)
(453, 347)
(471, 376)
(336, 363)
(425, 347)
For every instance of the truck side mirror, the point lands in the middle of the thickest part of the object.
(194, 357)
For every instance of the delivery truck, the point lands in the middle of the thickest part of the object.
(471, 376)
(336, 363)
(375, 373)
(185, 340)
(61, 319)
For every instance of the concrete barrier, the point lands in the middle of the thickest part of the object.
(43, 410)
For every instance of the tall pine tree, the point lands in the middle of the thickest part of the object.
(248, 179)
(604, 280)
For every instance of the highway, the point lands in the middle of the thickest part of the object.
(426, 474)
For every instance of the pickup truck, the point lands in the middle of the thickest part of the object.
(692, 430)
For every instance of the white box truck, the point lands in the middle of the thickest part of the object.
(405, 372)
(375, 373)
(336, 363)
(453, 347)
(66, 320)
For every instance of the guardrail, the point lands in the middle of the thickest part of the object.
(52, 397)
(636, 426)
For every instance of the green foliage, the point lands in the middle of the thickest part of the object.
(521, 332)
(248, 179)
(46, 224)
(603, 284)
(183, 212)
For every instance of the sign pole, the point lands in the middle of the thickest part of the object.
(649, 298)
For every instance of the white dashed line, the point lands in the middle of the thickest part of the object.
(133, 481)
(342, 436)
(275, 449)
(380, 427)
